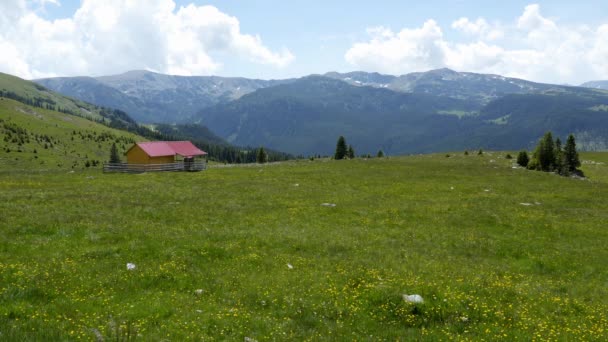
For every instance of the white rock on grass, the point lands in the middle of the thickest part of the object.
(415, 298)
(131, 266)
(328, 204)
(290, 266)
(525, 203)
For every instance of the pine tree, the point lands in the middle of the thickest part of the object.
(341, 149)
(351, 152)
(571, 160)
(261, 156)
(380, 154)
(545, 153)
(114, 156)
(559, 156)
(523, 159)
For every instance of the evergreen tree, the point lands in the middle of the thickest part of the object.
(351, 152)
(114, 156)
(545, 153)
(559, 156)
(341, 149)
(523, 159)
(380, 154)
(571, 160)
(261, 156)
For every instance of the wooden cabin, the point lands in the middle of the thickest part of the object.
(163, 152)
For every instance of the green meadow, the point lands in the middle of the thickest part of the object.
(307, 250)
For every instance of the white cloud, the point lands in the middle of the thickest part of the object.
(110, 36)
(399, 52)
(479, 28)
(532, 47)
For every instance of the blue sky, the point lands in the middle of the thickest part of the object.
(548, 41)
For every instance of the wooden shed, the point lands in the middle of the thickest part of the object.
(163, 152)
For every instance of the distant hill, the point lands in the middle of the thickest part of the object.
(307, 115)
(91, 90)
(151, 97)
(596, 85)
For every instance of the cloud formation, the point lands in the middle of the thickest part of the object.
(111, 36)
(532, 47)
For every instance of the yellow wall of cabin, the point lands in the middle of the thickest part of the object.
(162, 160)
(137, 156)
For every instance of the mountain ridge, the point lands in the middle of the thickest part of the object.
(152, 97)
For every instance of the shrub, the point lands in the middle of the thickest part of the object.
(533, 165)
(523, 159)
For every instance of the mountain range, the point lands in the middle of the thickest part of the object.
(438, 110)
(151, 97)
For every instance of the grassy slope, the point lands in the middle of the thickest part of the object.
(488, 267)
(32, 90)
(65, 150)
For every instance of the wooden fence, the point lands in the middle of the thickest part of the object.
(139, 168)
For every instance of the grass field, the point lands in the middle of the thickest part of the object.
(231, 253)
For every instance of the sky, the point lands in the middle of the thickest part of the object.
(564, 42)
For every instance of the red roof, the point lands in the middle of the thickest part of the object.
(170, 148)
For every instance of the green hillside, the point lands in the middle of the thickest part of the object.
(39, 139)
(38, 96)
(308, 251)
